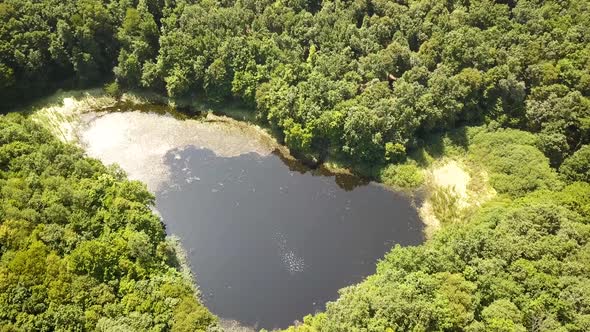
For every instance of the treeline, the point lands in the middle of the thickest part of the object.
(359, 80)
(367, 79)
(80, 247)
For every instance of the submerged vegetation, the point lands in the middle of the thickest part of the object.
(387, 87)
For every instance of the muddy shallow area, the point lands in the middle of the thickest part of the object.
(268, 239)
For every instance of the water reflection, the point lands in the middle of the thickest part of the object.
(346, 181)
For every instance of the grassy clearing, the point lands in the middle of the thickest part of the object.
(455, 182)
(472, 165)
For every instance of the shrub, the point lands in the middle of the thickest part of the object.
(516, 166)
(405, 176)
(113, 89)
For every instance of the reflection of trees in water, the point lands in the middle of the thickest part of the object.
(345, 181)
(293, 164)
(348, 181)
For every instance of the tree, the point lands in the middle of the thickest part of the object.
(362, 136)
(138, 36)
(577, 166)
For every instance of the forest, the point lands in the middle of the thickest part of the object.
(81, 248)
(369, 83)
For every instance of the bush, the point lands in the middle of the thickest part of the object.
(395, 152)
(516, 166)
(405, 176)
(113, 89)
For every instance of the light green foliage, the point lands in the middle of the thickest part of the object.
(403, 176)
(444, 202)
(297, 138)
(394, 152)
(310, 324)
(113, 89)
(502, 315)
(80, 247)
(515, 165)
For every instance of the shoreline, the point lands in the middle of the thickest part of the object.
(63, 114)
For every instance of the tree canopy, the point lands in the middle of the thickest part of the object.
(362, 81)
(315, 70)
(80, 247)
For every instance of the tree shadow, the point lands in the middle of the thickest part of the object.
(437, 145)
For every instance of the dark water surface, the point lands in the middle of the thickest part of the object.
(269, 241)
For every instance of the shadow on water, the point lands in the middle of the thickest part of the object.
(179, 112)
(345, 181)
(270, 240)
(186, 111)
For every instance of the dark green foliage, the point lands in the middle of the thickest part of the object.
(47, 43)
(391, 71)
(138, 36)
(577, 166)
(403, 69)
(80, 247)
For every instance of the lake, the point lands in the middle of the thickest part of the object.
(268, 239)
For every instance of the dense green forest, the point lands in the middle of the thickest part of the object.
(366, 82)
(81, 249)
(360, 79)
